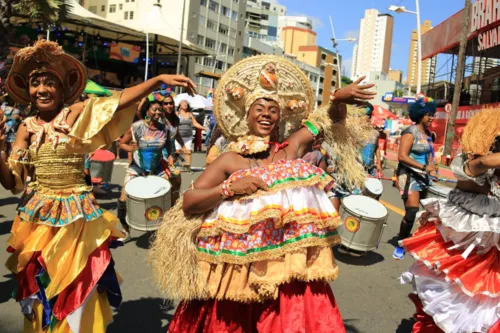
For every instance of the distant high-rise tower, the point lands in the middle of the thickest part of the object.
(413, 58)
(373, 51)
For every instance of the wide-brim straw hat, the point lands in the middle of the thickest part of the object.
(46, 57)
(265, 76)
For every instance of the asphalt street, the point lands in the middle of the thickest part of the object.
(368, 292)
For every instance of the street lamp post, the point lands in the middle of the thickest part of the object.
(402, 9)
(335, 44)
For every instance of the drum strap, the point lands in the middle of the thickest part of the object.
(409, 173)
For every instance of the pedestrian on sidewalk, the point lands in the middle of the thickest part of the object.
(416, 165)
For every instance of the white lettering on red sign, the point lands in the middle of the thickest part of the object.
(488, 39)
(484, 13)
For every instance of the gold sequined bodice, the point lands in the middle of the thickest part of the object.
(58, 170)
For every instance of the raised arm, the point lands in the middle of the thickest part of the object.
(354, 93)
(197, 125)
(482, 164)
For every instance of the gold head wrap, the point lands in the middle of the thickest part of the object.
(481, 132)
(45, 57)
(265, 76)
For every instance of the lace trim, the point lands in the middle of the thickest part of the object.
(291, 245)
(226, 224)
(322, 182)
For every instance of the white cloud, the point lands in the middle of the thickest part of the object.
(316, 21)
(346, 67)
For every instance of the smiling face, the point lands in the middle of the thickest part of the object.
(427, 120)
(155, 111)
(168, 105)
(263, 117)
(45, 92)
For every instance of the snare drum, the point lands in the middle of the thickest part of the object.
(440, 192)
(364, 222)
(147, 200)
(101, 165)
(373, 188)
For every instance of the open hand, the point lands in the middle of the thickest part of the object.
(180, 81)
(355, 92)
(248, 185)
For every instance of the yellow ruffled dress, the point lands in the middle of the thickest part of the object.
(61, 239)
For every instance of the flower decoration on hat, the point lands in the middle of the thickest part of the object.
(423, 105)
(269, 77)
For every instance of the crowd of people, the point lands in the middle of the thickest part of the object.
(248, 247)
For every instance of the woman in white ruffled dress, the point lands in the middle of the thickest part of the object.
(457, 274)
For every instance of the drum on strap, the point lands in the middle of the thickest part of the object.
(364, 222)
(373, 188)
(148, 198)
(101, 165)
(437, 191)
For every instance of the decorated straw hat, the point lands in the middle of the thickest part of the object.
(45, 57)
(265, 76)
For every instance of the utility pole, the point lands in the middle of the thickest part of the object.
(179, 52)
(450, 127)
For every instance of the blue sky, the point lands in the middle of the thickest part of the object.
(347, 13)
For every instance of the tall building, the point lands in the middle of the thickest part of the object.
(396, 75)
(481, 65)
(413, 58)
(373, 51)
(261, 19)
(294, 21)
(301, 43)
(217, 26)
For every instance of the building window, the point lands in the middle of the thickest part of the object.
(223, 47)
(131, 15)
(202, 20)
(320, 91)
(235, 16)
(211, 24)
(233, 33)
(103, 8)
(323, 56)
(230, 51)
(210, 43)
(212, 5)
(225, 11)
(203, 3)
(200, 40)
(127, 1)
(125, 15)
(223, 29)
(112, 8)
(93, 9)
(120, 6)
(321, 80)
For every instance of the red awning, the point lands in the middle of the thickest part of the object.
(445, 37)
(382, 113)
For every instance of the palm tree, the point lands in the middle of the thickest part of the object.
(45, 12)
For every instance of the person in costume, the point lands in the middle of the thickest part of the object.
(415, 164)
(456, 276)
(61, 239)
(248, 248)
(146, 140)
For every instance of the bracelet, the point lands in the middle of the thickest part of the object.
(424, 166)
(225, 189)
(311, 127)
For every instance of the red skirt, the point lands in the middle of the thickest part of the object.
(300, 307)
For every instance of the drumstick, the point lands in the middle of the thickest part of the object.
(382, 178)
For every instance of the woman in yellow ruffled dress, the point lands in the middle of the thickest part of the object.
(61, 239)
(249, 246)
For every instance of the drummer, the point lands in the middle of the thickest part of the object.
(415, 164)
(146, 140)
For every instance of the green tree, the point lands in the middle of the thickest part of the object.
(45, 12)
(345, 81)
(398, 93)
